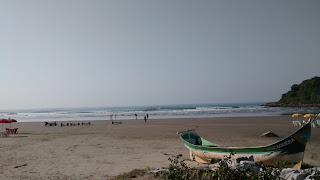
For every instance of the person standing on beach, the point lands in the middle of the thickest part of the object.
(147, 116)
(145, 119)
(136, 116)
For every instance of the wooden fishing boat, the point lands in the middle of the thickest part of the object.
(290, 149)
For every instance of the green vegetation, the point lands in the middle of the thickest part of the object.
(179, 170)
(308, 92)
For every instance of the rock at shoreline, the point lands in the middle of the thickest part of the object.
(269, 134)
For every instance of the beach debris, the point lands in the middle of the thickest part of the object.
(158, 170)
(241, 168)
(289, 173)
(240, 163)
(20, 165)
(286, 173)
(269, 134)
(296, 123)
(250, 158)
(245, 163)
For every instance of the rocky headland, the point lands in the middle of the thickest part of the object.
(305, 94)
(293, 104)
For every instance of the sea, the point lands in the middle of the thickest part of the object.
(153, 111)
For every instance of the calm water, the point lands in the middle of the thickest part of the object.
(154, 112)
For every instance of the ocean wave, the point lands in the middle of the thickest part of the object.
(215, 108)
(164, 111)
(168, 108)
(85, 112)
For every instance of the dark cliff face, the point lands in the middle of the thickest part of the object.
(306, 94)
(279, 104)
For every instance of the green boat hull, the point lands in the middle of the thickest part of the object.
(290, 149)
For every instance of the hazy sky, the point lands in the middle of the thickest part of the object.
(148, 52)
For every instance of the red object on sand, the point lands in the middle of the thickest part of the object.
(12, 131)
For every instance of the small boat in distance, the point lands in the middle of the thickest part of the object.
(290, 149)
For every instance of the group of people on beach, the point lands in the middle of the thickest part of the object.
(111, 117)
(145, 117)
(82, 123)
(50, 124)
(76, 124)
(67, 124)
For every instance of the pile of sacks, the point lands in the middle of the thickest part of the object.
(287, 173)
(290, 173)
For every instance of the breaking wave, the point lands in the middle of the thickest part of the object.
(155, 112)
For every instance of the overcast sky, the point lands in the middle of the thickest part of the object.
(148, 52)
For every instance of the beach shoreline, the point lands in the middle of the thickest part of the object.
(103, 150)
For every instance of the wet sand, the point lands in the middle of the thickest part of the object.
(104, 150)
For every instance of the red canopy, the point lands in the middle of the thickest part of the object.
(12, 120)
(4, 121)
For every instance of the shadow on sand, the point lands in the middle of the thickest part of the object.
(24, 133)
(18, 136)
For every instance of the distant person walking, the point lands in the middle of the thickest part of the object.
(145, 119)
(136, 116)
(147, 116)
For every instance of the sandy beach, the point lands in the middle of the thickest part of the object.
(104, 150)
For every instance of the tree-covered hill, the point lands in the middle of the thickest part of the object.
(306, 94)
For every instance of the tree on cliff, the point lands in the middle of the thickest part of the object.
(308, 92)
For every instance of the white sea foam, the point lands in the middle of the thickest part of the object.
(155, 112)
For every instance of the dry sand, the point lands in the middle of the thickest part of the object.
(103, 150)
